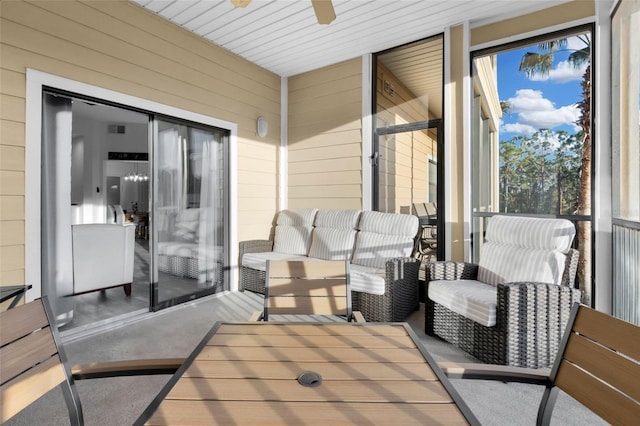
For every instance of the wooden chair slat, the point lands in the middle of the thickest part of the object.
(21, 321)
(618, 371)
(23, 354)
(327, 268)
(24, 390)
(603, 400)
(612, 332)
(307, 287)
(307, 305)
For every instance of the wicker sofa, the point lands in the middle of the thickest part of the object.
(512, 307)
(379, 246)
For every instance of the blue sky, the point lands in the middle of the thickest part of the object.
(539, 103)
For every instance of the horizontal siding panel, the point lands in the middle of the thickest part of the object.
(12, 232)
(326, 203)
(66, 20)
(326, 75)
(327, 139)
(44, 44)
(333, 165)
(342, 104)
(12, 108)
(326, 191)
(347, 150)
(12, 133)
(255, 149)
(258, 191)
(21, 59)
(258, 178)
(12, 277)
(145, 21)
(12, 83)
(250, 203)
(11, 207)
(256, 165)
(342, 177)
(331, 126)
(11, 182)
(336, 87)
(11, 257)
(12, 158)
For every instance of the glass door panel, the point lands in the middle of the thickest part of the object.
(189, 216)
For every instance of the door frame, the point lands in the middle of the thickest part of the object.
(37, 81)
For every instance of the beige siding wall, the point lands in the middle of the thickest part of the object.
(119, 46)
(547, 18)
(404, 157)
(325, 137)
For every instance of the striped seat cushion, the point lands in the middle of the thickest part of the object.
(384, 236)
(334, 234)
(258, 261)
(293, 231)
(469, 298)
(367, 280)
(525, 249)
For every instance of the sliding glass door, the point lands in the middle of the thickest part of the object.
(189, 217)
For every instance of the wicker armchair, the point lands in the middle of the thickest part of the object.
(530, 317)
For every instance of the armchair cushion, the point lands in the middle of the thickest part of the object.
(525, 249)
(470, 298)
(293, 231)
(384, 236)
(367, 280)
(258, 261)
(504, 263)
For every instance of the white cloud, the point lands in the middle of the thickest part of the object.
(564, 72)
(518, 128)
(536, 112)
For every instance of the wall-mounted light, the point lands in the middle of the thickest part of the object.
(262, 127)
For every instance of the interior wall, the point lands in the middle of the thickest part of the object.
(325, 137)
(119, 46)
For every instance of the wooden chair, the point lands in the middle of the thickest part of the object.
(308, 287)
(34, 362)
(598, 365)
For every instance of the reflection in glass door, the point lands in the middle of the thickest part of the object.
(189, 217)
(406, 176)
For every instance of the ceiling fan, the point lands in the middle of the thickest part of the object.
(323, 9)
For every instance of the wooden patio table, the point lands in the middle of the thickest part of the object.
(247, 373)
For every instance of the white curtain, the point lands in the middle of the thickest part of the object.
(57, 255)
(170, 178)
(211, 207)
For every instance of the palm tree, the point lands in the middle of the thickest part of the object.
(539, 64)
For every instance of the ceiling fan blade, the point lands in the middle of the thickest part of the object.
(324, 11)
(240, 3)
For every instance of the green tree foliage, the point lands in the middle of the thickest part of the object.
(540, 173)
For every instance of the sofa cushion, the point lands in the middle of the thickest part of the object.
(334, 234)
(383, 236)
(367, 280)
(525, 249)
(332, 244)
(469, 298)
(293, 231)
(258, 261)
